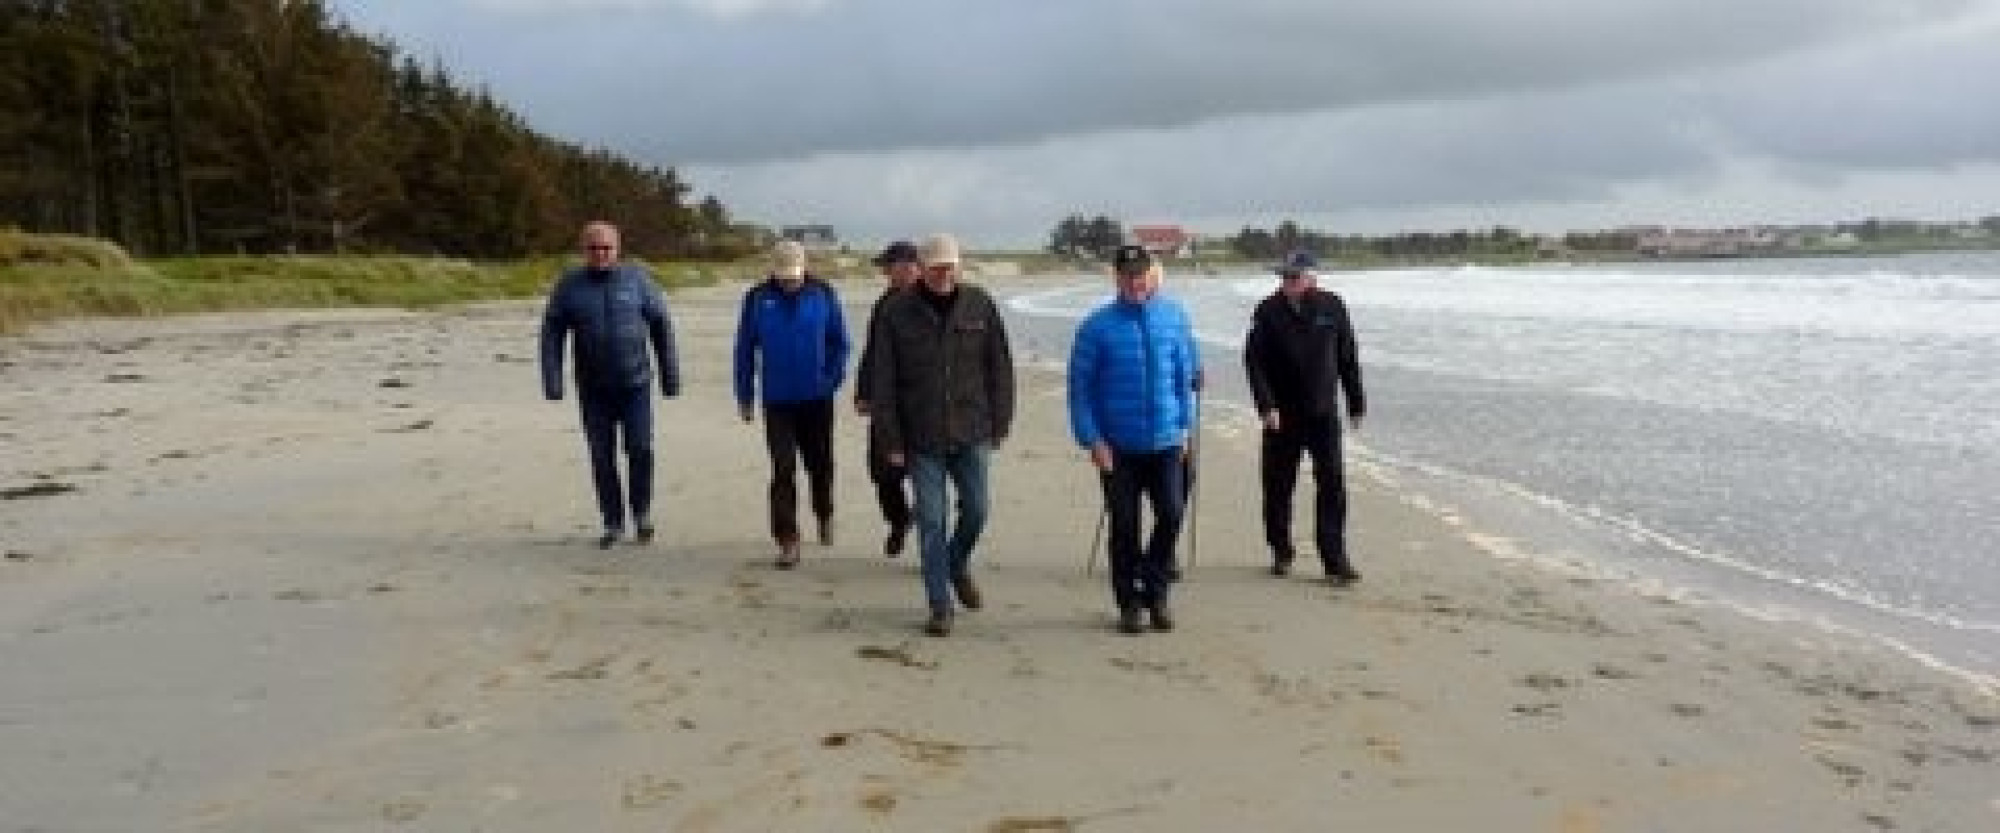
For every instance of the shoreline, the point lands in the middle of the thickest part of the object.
(366, 541)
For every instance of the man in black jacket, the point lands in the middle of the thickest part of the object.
(613, 310)
(901, 266)
(1302, 361)
(941, 388)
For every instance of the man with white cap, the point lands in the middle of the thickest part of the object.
(791, 343)
(941, 388)
(1303, 363)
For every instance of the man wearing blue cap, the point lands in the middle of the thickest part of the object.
(1302, 362)
(902, 266)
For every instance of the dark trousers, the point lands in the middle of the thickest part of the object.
(609, 413)
(795, 432)
(1139, 575)
(1320, 438)
(888, 479)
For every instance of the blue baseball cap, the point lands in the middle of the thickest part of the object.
(1299, 261)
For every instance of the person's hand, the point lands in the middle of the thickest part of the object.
(1271, 420)
(1100, 456)
(895, 459)
(744, 412)
(861, 407)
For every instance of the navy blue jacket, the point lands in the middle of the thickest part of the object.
(793, 345)
(612, 314)
(1131, 376)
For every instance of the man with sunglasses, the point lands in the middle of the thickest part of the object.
(1303, 362)
(611, 311)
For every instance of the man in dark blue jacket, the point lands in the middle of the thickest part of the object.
(1132, 372)
(792, 322)
(612, 310)
(1303, 366)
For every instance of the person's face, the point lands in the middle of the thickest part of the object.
(902, 273)
(1295, 284)
(941, 277)
(1138, 286)
(600, 247)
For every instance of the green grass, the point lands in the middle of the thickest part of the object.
(79, 277)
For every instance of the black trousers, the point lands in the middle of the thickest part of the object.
(1318, 437)
(890, 493)
(796, 432)
(1140, 569)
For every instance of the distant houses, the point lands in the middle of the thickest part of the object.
(1165, 242)
(813, 237)
(1655, 241)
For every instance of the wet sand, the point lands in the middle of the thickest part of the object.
(335, 571)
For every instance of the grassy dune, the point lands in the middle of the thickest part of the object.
(50, 277)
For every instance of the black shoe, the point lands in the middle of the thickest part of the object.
(788, 555)
(939, 624)
(892, 546)
(1343, 578)
(1281, 567)
(1162, 619)
(966, 591)
(645, 533)
(609, 537)
(1174, 573)
(1128, 622)
(826, 532)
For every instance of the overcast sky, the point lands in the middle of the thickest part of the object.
(996, 118)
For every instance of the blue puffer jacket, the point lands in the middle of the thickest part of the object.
(792, 344)
(1131, 376)
(613, 313)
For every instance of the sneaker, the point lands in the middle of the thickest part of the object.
(1128, 622)
(609, 537)
(967, 592)
(1162, 619)
(892, 546)
(826, 532)
(645, 533)
(939, 624)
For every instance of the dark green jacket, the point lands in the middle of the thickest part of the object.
(936, 383)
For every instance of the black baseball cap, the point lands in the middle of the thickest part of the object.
(901, 251)
(1131, 260)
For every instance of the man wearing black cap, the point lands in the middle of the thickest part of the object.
(901, 266)
(1302, 361)
(1131, 383)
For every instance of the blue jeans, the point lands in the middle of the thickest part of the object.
(1139, 575)
(608, 412)
(946, 557)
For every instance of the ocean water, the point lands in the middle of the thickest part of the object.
(1814, 440)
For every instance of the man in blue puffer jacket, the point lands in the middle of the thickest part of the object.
(613, 310)
(1132, 373)
(792, 342)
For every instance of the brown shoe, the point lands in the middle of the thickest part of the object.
(1163, 620)
(966, 591)
(939, 624)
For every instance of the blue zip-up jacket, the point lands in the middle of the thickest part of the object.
(792, 345)
(1131, 376)
(612, 314)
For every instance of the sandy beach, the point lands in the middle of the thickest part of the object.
(335, 571)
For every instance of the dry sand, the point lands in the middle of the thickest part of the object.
(334, 571)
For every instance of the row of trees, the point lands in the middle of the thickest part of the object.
(195, 126)
(1079, 237)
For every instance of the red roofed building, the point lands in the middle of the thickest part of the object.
(1163, 241)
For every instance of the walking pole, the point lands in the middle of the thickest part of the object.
(1096, 538)
(1194, 484)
